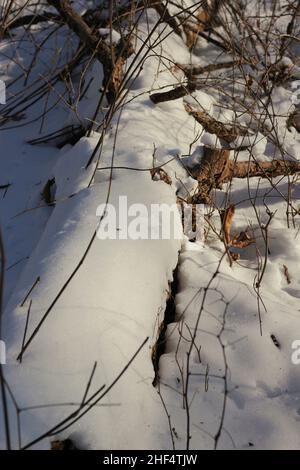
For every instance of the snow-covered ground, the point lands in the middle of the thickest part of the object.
(227, 378)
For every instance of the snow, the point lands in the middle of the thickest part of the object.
(263, 385)
(118, 295)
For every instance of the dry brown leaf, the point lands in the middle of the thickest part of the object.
(235, 256)
(66, 444)
(192, 31)
(159, 174)
(227, 222)
(242, 240)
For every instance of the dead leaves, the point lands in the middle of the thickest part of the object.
(159, 174)
(117, 74)
(238, 240)
(227, 217)
(192, 30)
(242, 240)
(66, 444)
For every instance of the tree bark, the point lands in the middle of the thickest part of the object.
(174, 94)
(226, 132)
(262, 169)
(112, 65)
(210, 173)
(215, 169)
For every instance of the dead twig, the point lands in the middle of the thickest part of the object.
(30, 290)
(174, 94)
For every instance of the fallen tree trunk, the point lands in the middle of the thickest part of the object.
(216, 168)
(262, 169)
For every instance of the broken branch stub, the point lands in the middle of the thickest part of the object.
(174, 94)
(211, 172)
